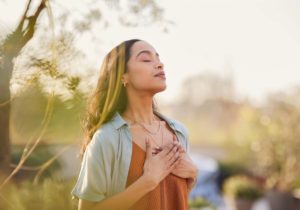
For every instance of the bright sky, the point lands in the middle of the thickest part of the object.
(257, 41)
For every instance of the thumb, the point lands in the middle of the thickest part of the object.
(148, 147)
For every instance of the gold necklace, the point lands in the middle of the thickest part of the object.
(153, 133)
(141, 124)
(158, 148)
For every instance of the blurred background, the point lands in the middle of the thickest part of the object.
(232, 69)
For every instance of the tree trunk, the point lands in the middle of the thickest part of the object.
(5, 75)
(10, 49)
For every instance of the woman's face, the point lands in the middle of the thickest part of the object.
(145, 70)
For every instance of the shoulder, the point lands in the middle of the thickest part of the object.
(180, 127)
(109, 132)
(182, 131)
(106, 136)
(177, 125)
(103, 146)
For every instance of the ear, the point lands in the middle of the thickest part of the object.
(125, 78)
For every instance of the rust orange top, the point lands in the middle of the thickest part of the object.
(170, 194)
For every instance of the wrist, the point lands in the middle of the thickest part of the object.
(149, 183)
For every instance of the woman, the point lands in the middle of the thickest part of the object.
(133, 156)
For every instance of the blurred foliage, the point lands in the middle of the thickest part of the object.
(51, 68)
(93, 14)
(239, 186)
(48, 195)
(39, 156)
(207, 106)
(199, 203)
(266, 140)
(56, 64)
(228, 169)
(28, 110)
(262, 137)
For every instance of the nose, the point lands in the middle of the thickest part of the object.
(159, 65)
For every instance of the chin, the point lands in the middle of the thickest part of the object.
(160, 88)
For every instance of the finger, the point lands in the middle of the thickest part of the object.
(175, 141)
(168, 146)
(172, 158)
(181, 149)
(181, 155)
(167, 150)
(173, 164)
(170, 166)
(169, 154)
(177, 145)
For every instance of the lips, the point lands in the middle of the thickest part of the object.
(160, 74)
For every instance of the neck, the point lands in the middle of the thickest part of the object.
(139, 109)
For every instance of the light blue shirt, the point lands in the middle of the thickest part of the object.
(106, 161)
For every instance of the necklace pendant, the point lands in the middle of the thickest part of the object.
(158, 149)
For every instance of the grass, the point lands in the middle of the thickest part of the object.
(50, 194)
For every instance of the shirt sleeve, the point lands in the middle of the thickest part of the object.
(187, 142)
(92, 181)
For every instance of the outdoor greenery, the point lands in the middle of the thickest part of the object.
(262, 139)
(28, 111)
(44, 94)
(48, 195)
(242, 187)
(265, 140)
(39, 156)
(200, 203)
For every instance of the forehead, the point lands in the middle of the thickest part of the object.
(141, 46)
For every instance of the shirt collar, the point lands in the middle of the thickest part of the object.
(118, 121)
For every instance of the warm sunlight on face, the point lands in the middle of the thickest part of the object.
(145, 70)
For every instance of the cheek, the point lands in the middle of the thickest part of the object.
(141, 78)
(140, 75)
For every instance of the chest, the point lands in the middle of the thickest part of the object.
(160, 136)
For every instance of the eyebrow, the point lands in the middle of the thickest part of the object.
(146, 51)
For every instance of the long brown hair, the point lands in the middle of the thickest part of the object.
(109, 95)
